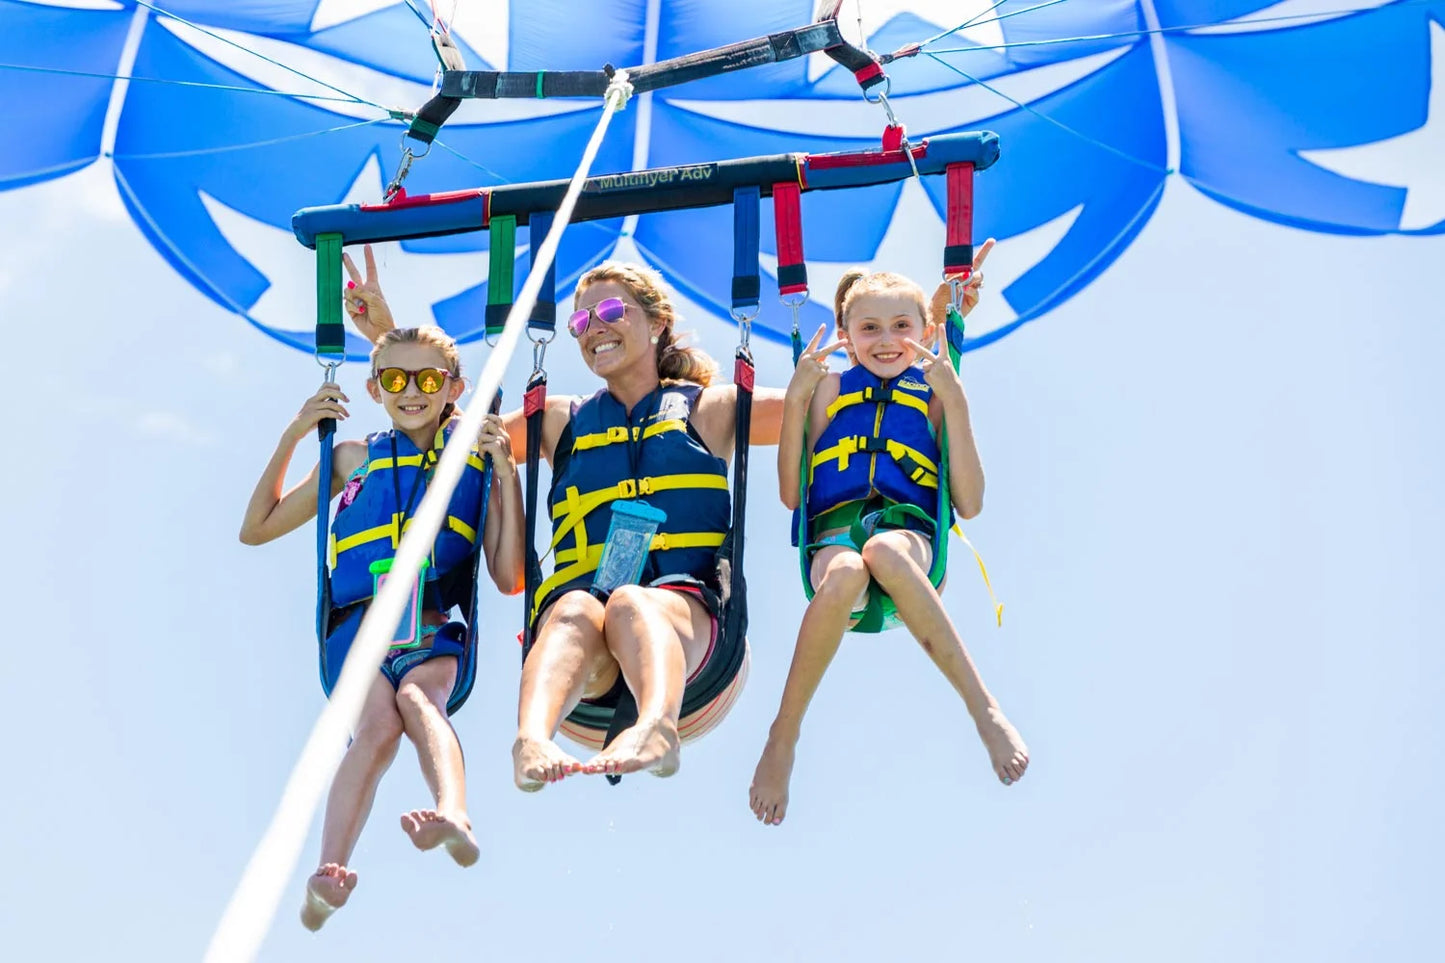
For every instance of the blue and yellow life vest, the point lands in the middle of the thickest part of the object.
(370, 528)
(652, 454)
(878, 441)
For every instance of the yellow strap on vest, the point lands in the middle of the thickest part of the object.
(910, 401)
(849, 400)
(388, 531)
(847, 447)
(866, 395)
(575, 562)
(577, 506)
(618, 433)
(661, 542)
(405, 461)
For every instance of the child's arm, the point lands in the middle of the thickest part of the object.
(502, 539)
(948, 410)
(811, 384)
(271, 514)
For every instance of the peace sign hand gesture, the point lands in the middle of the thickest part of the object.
(365, 304)
(938, 370)
(944, 295)
(812, 367)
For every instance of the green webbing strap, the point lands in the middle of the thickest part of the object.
(330, 329)
(502, 257)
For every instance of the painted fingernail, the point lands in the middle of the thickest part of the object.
(350, 285)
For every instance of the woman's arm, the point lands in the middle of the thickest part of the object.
(555, 418)
(271, 514)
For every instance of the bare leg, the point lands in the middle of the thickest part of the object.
(899, 560)
(372, 749)
(839, 577)
(421, 700)
(568, 653)
(656, 636)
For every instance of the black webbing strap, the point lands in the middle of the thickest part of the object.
(429, 119)
(774, 48)
(734, 629)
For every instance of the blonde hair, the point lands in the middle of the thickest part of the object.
(431, 336)
(675, 360)
(857, 281)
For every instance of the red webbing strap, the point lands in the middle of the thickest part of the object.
(788, 219)
(958, 249)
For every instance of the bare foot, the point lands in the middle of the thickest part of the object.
(327, 891)
(653, 746)
(536, 762)
(768, 795)
(429, 829)
(1006, 749)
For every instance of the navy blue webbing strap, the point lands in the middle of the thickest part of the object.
(544, 313)
(746, 285)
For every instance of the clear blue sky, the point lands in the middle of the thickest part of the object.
(1213, 513)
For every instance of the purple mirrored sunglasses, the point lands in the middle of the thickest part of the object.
(610, 310)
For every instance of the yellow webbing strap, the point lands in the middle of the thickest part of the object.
(866, 395)
(849, 400)
(576, 506)
(618, 433)
(575, 562)
(847, 447)
(997, 605)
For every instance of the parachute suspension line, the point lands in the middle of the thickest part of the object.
(977, 21)
(253, 905)
(226, 148)
(391, 112)
(1149, 165)
(256, 53)
(970, 22)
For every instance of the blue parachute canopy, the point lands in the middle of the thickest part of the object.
(241, 113)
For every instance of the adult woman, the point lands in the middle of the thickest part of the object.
(653, 638)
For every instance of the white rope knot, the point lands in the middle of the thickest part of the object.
(620, 88)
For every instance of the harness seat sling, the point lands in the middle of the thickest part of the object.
(894, 505)
(331, 345)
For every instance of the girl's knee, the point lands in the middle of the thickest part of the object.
(889, 556)
(378, 734)
(415, 700)
(845, 575)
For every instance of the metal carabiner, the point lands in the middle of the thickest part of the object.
(744, 318)
(539, 353)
